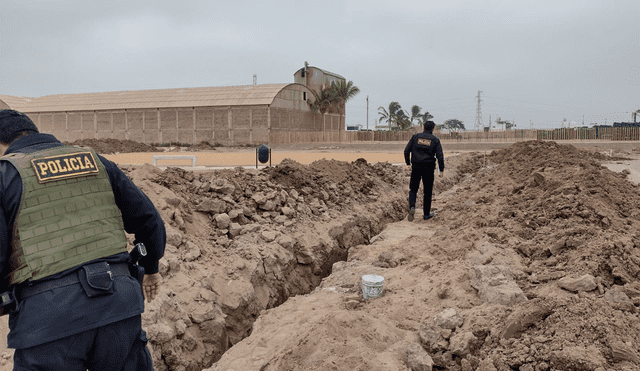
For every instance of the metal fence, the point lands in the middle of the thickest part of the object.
(593, 133)
(277, 137)
(628, 133)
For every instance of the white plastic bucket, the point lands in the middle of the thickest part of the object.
(372, 286)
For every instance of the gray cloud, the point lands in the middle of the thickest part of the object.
(534, 61)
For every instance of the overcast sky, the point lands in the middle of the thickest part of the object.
(534, 61)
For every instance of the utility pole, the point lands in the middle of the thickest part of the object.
(367, 113)
(255, 79)
(478, 123)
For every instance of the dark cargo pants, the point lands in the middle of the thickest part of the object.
(424, 172)
(119, 346)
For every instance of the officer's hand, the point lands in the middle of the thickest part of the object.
(441, 174)
(409, 167)
(151, 285)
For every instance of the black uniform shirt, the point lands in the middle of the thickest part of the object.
(65, 311)
(424, 148)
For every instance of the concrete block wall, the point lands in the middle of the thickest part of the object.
(287, 120)
(260, 128)
(204, 124)
(221, 126)
(185, 125)
(104, 128)
(231, 125)
(135, 125)
(150, 131)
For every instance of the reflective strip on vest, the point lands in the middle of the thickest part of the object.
(67, 216)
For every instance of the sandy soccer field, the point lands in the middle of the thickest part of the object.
(247, 159)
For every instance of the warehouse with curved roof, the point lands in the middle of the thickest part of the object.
(230, 115)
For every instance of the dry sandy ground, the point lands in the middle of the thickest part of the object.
(499, 280)
(206, 160)
(489, 284)
(391, 152)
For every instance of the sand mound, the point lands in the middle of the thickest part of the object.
(110, 146)
(530, 264)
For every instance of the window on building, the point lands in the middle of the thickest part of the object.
(304, 95)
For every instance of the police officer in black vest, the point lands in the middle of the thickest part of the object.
(73, 294)
(420, 154)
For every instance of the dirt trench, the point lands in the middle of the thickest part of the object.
(531, 264)
(240, 242)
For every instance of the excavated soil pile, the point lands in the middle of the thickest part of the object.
(531, 263)
(241, 241)
(111, 146)
(204, 146)
(574, 225)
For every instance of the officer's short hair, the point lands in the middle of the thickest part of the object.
(429, 126)
(14, 124)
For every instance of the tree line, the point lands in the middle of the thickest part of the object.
(399, 119)
(333, 99)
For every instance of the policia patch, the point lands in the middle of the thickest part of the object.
(64, 166)
(424, 142)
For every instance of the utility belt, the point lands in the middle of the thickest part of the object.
(96, 279)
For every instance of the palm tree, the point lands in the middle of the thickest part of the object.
(343, 91)
(415, 112)
(385, 116)
(426, 117)
(403, 120)
(421, 117)
(390, 115)
(323, 102)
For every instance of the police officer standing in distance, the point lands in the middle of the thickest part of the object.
(420, 154)
(73, 295)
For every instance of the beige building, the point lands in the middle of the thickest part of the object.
(315, 78)
(231, 115)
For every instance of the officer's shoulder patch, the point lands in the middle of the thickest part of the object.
(64, 166)
(424, 141)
